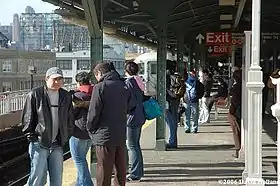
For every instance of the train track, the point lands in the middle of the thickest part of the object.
(14, 161)
(23, 178)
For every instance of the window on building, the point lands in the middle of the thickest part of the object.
(83, 64)
(67, 80)
(118, 64)
(7, 66)
(7, 86)
(64, 64)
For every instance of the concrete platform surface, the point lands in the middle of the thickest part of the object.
(202, 159)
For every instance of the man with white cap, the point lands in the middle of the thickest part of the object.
(48, 122)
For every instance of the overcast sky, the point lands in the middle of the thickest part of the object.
(10, 7)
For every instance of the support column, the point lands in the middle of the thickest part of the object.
(180, 50)
(94, 16)
(233, 57)
(96, 50)
(191, 65)
(276, 113)
(244, 119)
(161, 80)
(255, 86)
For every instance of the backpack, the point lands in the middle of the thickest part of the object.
(151, 109)
(199, 90)
(178, 86)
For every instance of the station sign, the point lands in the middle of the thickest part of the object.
(218, 49)
(218, 38)
(234, 38)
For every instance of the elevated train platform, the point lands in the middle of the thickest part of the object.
(202, 159)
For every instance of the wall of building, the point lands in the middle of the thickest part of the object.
(14, 68)
(72, 63)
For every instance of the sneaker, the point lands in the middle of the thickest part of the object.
(130, 179)
(187, 131)
(168, 146)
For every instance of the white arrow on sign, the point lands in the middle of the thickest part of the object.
(210, 49)
(199, 37)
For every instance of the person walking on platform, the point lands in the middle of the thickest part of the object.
(194, 91)
(220, 95)
(204, 113)
(234, 115)
(175, 90)
(80, 142)
(48, 123)
(110, 103)
(135, 120)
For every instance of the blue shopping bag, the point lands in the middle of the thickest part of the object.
(152, 109)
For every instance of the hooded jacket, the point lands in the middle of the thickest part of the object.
(136, 117)
(81, 100)
(110, 103)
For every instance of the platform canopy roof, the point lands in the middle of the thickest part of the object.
(136, 20)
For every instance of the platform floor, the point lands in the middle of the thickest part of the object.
(202, 159)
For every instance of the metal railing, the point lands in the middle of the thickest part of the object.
(13, 101)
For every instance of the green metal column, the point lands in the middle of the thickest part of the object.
(161, 80)
(180, 54)
(96, 50)
(189, 61)
(94, 16)
(191, 66)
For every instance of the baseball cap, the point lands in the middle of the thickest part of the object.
(54, 72)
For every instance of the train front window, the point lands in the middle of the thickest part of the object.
(153, 68)
(141, 68)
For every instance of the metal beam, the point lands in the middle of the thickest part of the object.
(239, 12)
(119, 4)
(92, 18)
(194, 9)
(138, 23)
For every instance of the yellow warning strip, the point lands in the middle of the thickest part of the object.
(147, 124)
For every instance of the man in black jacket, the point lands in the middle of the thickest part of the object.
(106, 123)
(48, 122)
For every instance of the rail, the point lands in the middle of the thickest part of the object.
(23, 178)
(13, 101)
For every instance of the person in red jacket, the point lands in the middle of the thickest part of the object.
(80, 142)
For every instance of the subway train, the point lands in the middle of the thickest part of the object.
(147, 63)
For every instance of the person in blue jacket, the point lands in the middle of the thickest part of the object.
(135, 120)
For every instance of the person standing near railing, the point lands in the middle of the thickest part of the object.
(48, 123)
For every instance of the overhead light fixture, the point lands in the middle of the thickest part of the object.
(225, 26)
(135, 5)
(226, 17)
(226, 2)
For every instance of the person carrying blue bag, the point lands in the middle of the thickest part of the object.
(135, 120)
(152, 109)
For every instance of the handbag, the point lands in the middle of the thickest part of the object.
(152, 109)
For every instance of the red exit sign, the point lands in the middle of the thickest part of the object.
(218, 38)
(219, 49)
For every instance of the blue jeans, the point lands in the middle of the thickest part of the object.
(191, 113)
(79, 149)
(172, 125)
(43, 160)
(135, 152)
